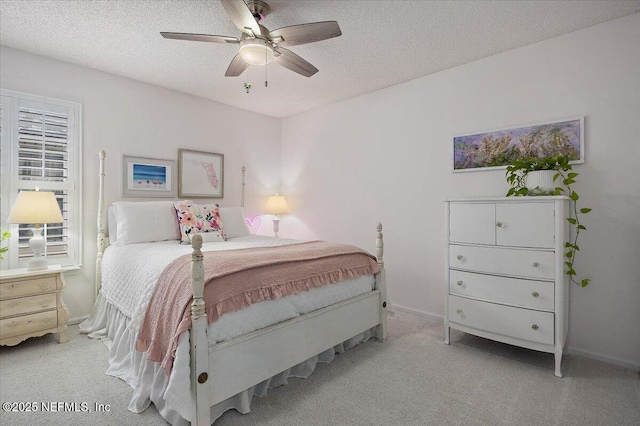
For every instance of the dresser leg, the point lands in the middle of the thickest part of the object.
(558, 356)
(446, 334)
(62, 338)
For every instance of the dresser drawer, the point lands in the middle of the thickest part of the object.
(17, 326)
(28, 287)
(25, 305)
(520, 323)
(511, 291)
(497, 260)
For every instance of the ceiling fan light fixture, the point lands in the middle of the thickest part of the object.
(256, 52)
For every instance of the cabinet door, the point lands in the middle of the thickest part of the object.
(472, 223)
(525, 224)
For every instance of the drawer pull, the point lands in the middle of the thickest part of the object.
(460, 257)
(536, 264)
(460, 282)
(459, 311)
(535, 294)
(534, 327)
(499, 224)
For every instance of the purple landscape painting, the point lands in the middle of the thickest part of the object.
(498, 148)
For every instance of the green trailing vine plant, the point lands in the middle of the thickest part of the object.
(4, 235)
(516, 174)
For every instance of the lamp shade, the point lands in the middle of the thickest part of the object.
(35, 207)
(276, 204)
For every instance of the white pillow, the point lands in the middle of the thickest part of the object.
(112, 225)
(141, 222)
(234, 223)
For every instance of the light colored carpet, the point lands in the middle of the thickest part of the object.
(412, 379)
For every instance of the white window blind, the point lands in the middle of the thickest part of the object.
(42, 149)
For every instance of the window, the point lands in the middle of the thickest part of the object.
(41, 147)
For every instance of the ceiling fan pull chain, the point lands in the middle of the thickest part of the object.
(266, 82)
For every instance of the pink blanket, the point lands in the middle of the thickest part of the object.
(235, 279)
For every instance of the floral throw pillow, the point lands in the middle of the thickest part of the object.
(198, 218)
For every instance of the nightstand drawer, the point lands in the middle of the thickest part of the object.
(17, 326)
(526, 324)
(534, 264)
(511, 291)
(27, 287)
(25, 305)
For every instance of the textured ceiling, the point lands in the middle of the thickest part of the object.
(383, 43)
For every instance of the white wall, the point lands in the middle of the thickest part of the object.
(124, 116)
(385, 156)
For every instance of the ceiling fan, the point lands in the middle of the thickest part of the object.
(258, 45)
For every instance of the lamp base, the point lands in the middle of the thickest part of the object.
(37, 264)
(36, 243)
(276, 226)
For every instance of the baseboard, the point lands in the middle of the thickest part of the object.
(613, 361)
(570, 351)
(412, 311)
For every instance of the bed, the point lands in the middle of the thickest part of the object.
(213, 366)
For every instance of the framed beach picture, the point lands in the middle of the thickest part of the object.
(148, 177)
(496, 149)
(200, 174)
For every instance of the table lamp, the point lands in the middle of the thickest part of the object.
(277, 205)
(37, 207)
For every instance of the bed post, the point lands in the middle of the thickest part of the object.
(101, 241)
(199, 343)
(244, 169)
(381, 329)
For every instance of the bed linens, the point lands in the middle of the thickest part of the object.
(127, 287)
(239, 278)
(129, 272)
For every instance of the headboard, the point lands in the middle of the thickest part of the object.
(102, 240)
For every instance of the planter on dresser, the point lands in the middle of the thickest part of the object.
(540, 180)
(505, 271)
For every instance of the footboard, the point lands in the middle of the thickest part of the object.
(230, 367)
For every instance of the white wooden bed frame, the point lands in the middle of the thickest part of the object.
(227, 368)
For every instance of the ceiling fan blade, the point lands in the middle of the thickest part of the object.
(241, 16)
(236, 67)
(200, 37)
(295, 63)
(306, 33)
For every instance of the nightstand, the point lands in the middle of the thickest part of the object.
(31, 305)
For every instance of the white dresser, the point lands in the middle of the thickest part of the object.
(505, 271)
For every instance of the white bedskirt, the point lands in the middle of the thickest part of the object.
(171, 394)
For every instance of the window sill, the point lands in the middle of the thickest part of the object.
(71, 270)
